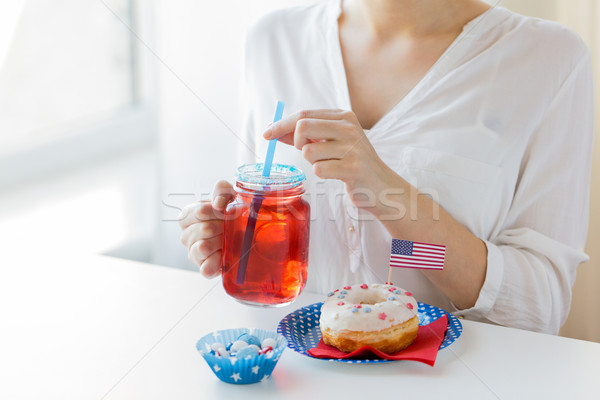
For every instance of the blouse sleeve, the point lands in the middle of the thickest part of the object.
(532, 261)
(246, 149)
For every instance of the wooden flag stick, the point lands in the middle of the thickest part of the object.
(390, 276)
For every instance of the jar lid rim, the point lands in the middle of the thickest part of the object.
(281, 174)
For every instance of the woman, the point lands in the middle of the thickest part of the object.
(446, 122)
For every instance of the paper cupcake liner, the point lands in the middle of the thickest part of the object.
(237, 370)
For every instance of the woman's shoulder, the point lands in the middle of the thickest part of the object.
(289, 23)
(549, 39)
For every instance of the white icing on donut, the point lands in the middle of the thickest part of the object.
(389, 305)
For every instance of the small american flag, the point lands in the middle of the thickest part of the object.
(407, 254)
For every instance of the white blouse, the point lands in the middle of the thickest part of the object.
(499, 132)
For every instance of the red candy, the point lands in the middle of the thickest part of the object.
(358, 306)
(392, 289)
(364, 286)
(347, 287)
(265, 350)
(409, 306)
(408, 293)
(341, 303)
(382, 316)
(389, 283)
(336, 290)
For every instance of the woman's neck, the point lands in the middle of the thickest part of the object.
(386, 19)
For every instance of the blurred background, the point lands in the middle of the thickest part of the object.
(114, 114)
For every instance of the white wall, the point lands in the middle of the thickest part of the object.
(200, 45)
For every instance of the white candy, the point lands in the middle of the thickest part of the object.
(215, 346)
(269, 342)
(237, 345)
(219, 348)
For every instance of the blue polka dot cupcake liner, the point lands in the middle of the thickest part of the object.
(247, 368)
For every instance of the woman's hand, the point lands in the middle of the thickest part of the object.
(335, 144)
(202, 225)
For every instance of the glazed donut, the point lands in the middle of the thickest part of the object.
(379, 315)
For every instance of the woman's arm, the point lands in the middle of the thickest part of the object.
(520, 276)
(334, 142)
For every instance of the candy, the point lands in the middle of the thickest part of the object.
(408, 293)
(250, 339)
(269, 342)
(367, 309)
(237, 346)
(364, 286)
(265, 350)
(341, 296)
(409, 306)
(219, 349)
(391, 298)
(354, 310)
(347, 287)
(248, 351)
(382, 315)
(340, 303)
(344, 292)
(397, 291)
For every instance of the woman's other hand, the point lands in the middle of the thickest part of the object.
(202, 225)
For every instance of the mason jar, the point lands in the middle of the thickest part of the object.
(265, 242)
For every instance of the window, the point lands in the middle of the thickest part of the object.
(70, 83)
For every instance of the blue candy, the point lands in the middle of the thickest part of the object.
(343, 292)
(330, 294)
(249, 351)
(250, 339)
(354, 310)
(341, 296)
(391, 298)
(397, 291)
(367, 309)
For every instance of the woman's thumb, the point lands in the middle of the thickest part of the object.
(222, 194)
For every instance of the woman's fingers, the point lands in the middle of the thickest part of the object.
(285, 129)
(223, 193)
(193, 213)
(198, 212)
(201, 231)
(211, 267)
(318, 151)
(333, 169)
(202, 249)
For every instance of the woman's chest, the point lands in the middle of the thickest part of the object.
(378, 77)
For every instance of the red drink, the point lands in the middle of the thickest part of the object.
(265, 249)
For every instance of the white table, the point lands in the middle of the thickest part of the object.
(93, 327)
